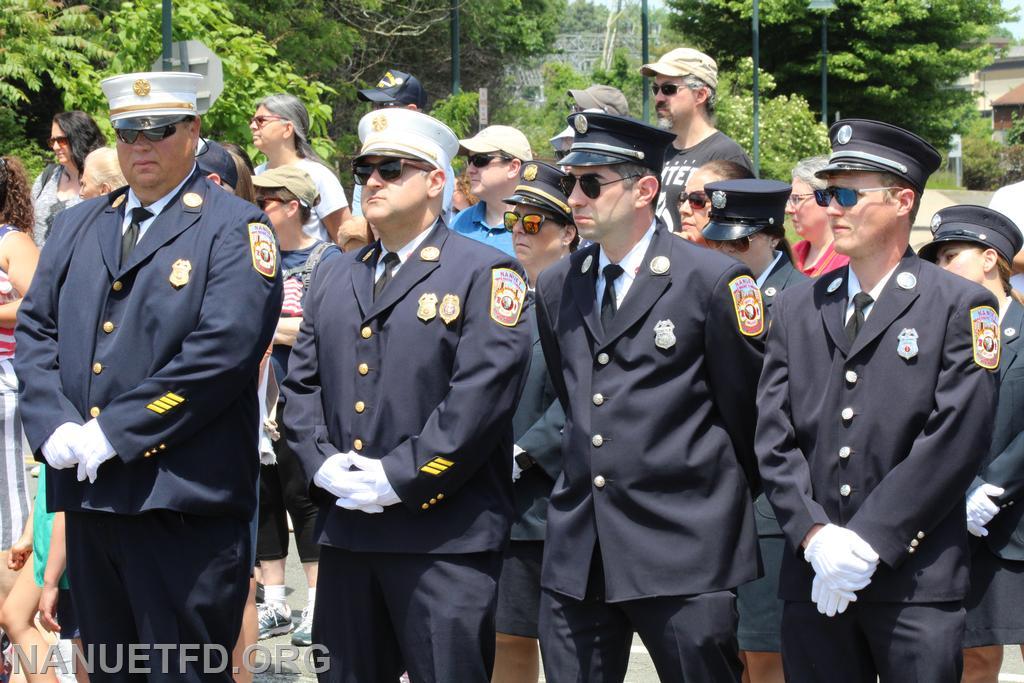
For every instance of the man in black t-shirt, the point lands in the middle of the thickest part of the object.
(684, 101)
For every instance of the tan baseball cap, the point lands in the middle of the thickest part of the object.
(505, 139)
(604, 97)
(684, 61)
(293, 179)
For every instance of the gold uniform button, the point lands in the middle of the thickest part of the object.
(357, 444)
(360, 406)
(117, 286)
(163, 447)
(851, 376)
(108, 327)
(599, 481)
(363, 368)
(433, 501)
(597, 440)
(97, 368)
(366, 332)
(147, 454)
(598, 399)
(440, 496)
(603, 358)
(847, 414)
(425, 506)
(94, 411)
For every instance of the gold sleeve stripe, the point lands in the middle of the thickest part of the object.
(431, 469)
(170, 396)
(156, 409)
(442, 461)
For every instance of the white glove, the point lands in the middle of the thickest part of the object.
(57, 448)
(830, 601)
(981, 509)
(93, 450)
(841, 558)
(332, 472)
(517, 471)
(372, 474)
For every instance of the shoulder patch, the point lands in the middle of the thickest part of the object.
(508, 293)
(264, 253)
(746, 299)
(985, 332)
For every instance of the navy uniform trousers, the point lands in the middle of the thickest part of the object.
(425, 378)
(882, 436)
(650, 526)
(163, 351)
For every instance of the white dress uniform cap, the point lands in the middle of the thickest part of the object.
(407, 133)
(151, 95)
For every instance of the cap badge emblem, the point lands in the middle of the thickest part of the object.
(936, 222)
(379, 123)
(141, 87)
(844, 135)
(718, 199)
(580, 124)
(530, 173)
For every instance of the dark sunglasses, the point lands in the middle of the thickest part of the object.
(666, 89)
(739, 245)
(59, 139)
(590, 183)
(697, 199)
(388, 170)
(484, 160)
(532, 222)
(264, 119)
(129, 135)
(844, 196)
(263, 201)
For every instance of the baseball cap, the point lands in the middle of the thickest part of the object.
(293, 179)
(603, 97)
(505, 139)
(211, 157)
(684, 61)
(396, 87)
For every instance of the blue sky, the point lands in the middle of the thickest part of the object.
(1017, 27)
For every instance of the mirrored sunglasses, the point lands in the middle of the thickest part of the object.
(532, 222)
(845, 196)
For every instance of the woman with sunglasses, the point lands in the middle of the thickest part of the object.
(978, 244)
(815, 253)
(280, 129)
(747, 222)
(543, 232)
(693, 202)
(73, 134)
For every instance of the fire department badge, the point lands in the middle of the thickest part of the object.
(906, 347)
(985, 330)
(746, 298)
(508, 293)
(449, 308)
(180, 272)
(427, 307)
(264, 253)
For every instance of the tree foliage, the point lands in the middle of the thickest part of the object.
(890, 59)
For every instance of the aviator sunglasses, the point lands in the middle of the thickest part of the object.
(590, 183)
(845, 196)
(388, 170)
(130, 135)
(532, 222)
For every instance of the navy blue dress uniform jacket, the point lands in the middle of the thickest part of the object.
(896, 472)
(1004, 462)
(170, 370)
(658, 443)
(537, 429)
(432, 399)
(783, 275)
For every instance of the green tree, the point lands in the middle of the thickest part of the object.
(789, 130)
(889, 59)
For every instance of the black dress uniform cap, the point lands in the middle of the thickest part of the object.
(603, 139)
(864, 145)
(977, 224)
(743, 207)
(540, 185)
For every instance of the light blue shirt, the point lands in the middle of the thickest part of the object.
(470, 222)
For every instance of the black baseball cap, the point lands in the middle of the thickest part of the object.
(396, 87)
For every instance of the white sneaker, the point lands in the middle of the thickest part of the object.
(274, 620)
(302, 636)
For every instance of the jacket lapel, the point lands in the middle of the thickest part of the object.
(646, 289)
(362, 277)
(413, 270)
(582, 276)
(172, 221)
(894, 299)
(832, 287)
(1010, 334)
(109, 233)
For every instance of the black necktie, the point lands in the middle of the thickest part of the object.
(608, 306)
(390, 261)
(856, 321)
(131, 235)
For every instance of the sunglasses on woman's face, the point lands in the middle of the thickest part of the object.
(129, 135)
(697, 199)
(739, 245)
(590, 183)
(532, 222)
(388, 171)
(61, 140)
(261, 120)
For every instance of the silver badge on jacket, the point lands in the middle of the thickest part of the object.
(664, 336)
(907, 346)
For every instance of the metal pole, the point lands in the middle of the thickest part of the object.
(456, 85)
(824, 68)
(757, 63)
(645, 57)
(166, 27)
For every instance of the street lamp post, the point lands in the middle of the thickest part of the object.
(824, 6)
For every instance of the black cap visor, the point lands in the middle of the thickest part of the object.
(726, 229)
